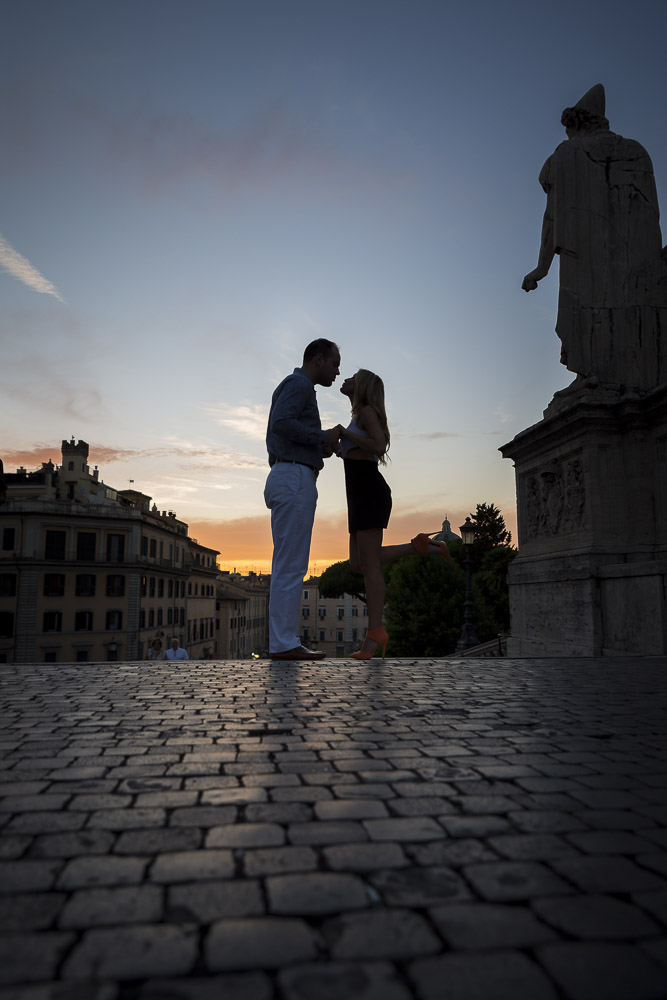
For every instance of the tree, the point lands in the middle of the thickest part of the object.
(424, 606)
(492, 591)
(490, 531)
(491, 554)
(338, 579)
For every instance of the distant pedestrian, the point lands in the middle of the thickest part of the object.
(176, 651)
(156, 652)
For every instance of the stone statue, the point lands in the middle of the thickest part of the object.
(602, 219)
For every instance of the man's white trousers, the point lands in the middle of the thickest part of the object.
(291, 496)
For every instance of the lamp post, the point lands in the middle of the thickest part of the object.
(468, 634)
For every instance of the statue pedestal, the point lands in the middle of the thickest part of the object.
(591, 480)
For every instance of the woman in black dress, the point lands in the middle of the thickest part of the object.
(363, 447)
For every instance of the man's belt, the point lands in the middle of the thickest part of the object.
(293, 461)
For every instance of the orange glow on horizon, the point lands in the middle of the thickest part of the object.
(245, 543)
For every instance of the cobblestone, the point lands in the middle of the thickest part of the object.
(260, 943)
(470, 829)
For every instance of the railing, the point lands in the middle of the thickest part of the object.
(493, 648)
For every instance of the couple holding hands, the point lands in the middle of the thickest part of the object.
(297, 446)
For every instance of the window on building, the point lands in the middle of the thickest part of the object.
(70, 466)
(115, 548)
(6, 624)
(82, 656)
(142, 618)
(115, 585)
(114, 620)
(182, 588)
(322, 613)
(355, 634)
(160, 587)
(8, 536)
(181, 617)
(189, 589)
(322, 635)
(306, 635)
(50, 656)
(112, 655)
(7, 584)
(151, 618)
(53, 621)
(170, 589)
(85, 545)
(305, 612)
(144, 545)
(339, 635)
(54, 584)
(153, 548)
(54, 545)
(306, 595)
(151, 586)
(170, 616)
(340, 613)
(85, 585)
(159, 616)
(83, 621)
(365, 612)
(355, 612)
(144, 585)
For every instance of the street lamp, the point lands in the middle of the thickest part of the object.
(468, 634)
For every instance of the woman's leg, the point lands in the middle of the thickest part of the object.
(390, 553)
(369, 548)
(355, 564)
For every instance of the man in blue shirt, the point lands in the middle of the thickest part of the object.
(296, 445)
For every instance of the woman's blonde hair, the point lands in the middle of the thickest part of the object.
(369, 391)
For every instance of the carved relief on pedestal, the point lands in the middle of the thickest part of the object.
(554, 498)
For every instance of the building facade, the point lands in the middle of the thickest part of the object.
(200, 640)
(335, 625)
(88, 573)
(242, 616)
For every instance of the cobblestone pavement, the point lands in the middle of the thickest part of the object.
(439, 830)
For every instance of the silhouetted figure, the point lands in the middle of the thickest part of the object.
(602, 219)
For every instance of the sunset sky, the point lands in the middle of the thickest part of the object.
(192, 190)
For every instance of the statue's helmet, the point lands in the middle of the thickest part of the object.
(588, 113)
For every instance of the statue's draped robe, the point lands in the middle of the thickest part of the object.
(612, 306)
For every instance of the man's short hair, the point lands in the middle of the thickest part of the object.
(319, 346)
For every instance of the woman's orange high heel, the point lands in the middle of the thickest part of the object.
(377, 635)
(420, 543)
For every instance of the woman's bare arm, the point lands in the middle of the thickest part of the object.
(375, 443)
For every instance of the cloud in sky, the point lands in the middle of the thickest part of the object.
(20, 267)
(432, 435)
(247, 420)
(32, 457)
(199, 456)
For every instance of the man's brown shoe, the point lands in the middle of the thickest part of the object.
(298, 653)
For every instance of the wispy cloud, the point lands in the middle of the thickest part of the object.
(434, 435)
(504, 414)
(247, 420)
(20, 267)
(195, 457)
